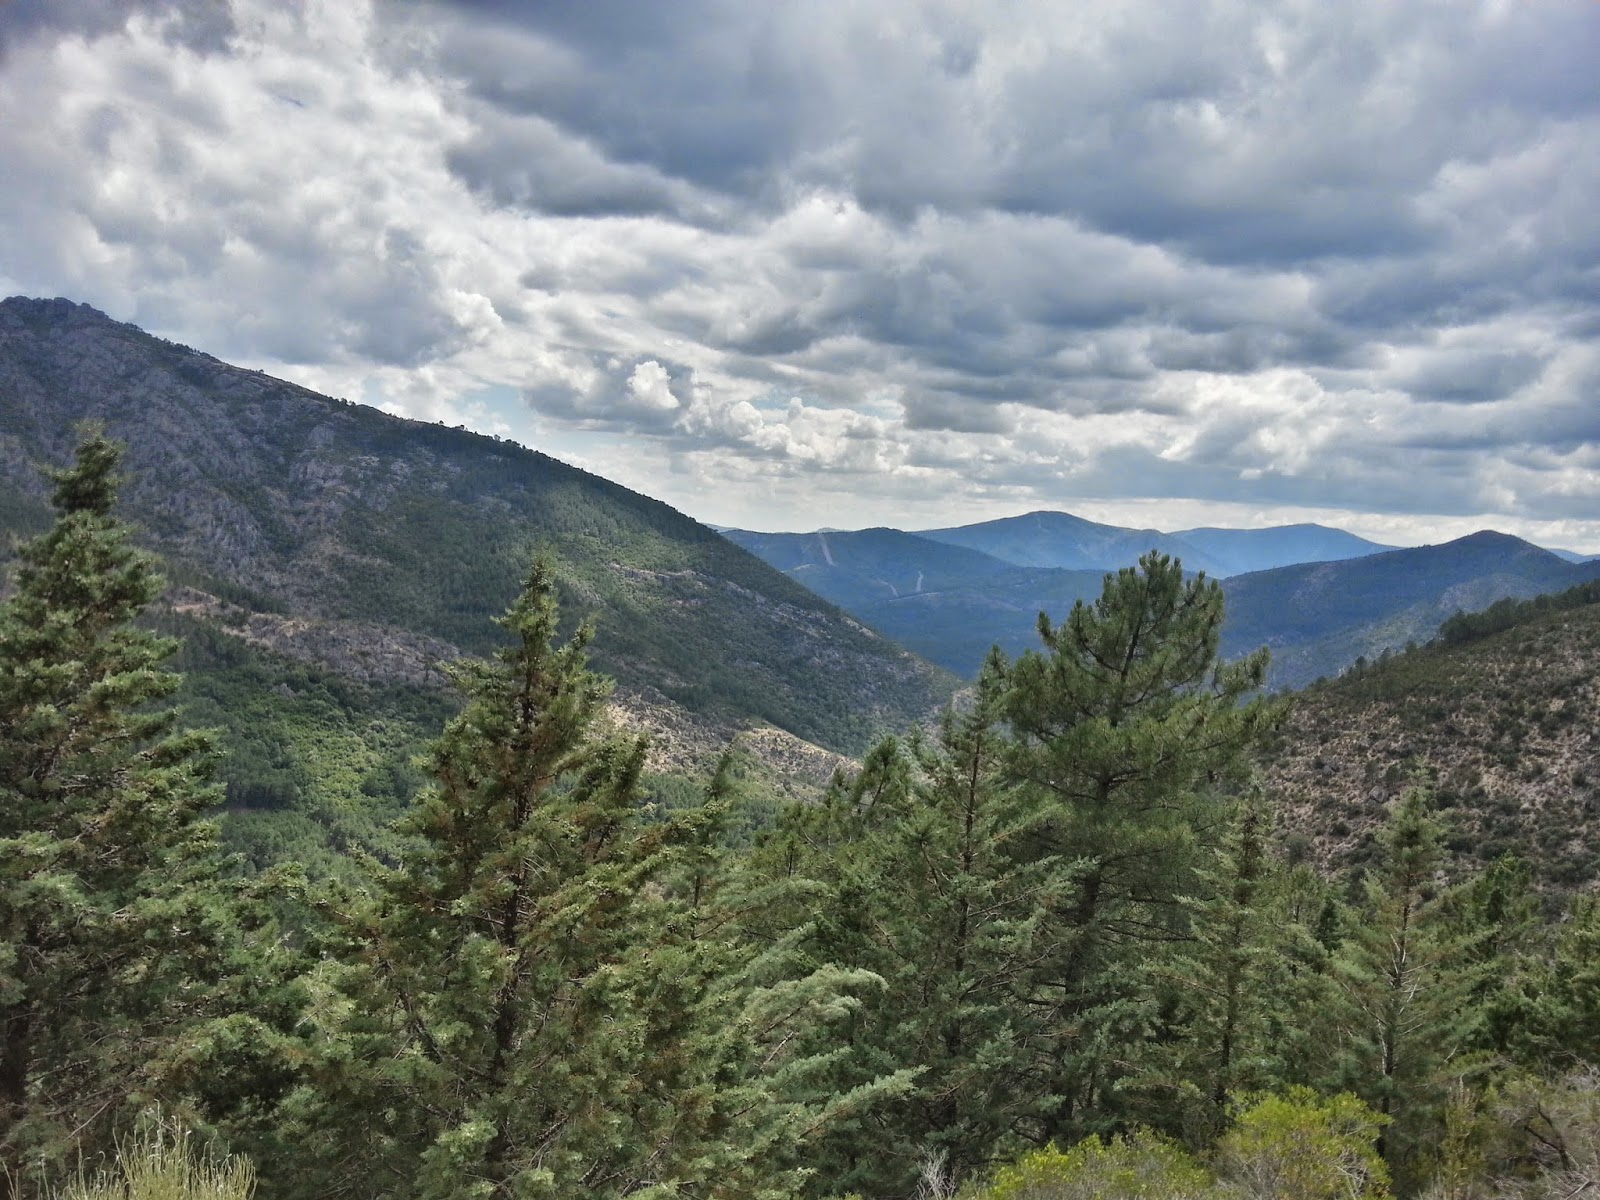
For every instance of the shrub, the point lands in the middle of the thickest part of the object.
(1554, 1129)
(1141, 1166)
(1299, 1146)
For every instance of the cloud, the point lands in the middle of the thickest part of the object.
(194, 24)
(892, 258)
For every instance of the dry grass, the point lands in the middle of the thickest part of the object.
(164, 1163)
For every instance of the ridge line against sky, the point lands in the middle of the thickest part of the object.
(906, 264)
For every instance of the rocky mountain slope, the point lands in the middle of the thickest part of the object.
(1505, 729)
(333, 523)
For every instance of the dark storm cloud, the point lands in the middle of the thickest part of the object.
(1471, 376)
(524, 162)
(697, 91)
(202, 25)
(1246, 348)
(955, 415)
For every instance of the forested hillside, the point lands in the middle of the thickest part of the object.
(279, 500)
(1319, 618)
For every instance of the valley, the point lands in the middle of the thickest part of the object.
(811, 779)
(329, 561)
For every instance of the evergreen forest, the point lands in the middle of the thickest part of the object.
(1055, 944)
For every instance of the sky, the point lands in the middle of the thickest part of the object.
(802, 264)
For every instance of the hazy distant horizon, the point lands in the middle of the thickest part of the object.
(1172, 529)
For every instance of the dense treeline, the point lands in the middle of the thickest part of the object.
(1050, 949)
(1507, 614)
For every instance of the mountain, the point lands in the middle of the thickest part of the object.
(865, 566)
(1497, 716)
(956, 626)
(1057, 539)
(1241, 551)
(1573, 556)
(395, 539)
(1317, 618)
(945, 602)
(950, 603)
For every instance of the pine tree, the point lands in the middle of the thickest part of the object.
(822, 872)
(785, 1027)
(109, 924)
(1495, 916)
(1407, 981)
(1302, 920)
(1231, 980)
(549, 997)
(916, 880)
(1550, 1019)
(973, 916)
(1123, 726)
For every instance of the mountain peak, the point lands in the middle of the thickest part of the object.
(1057, 539)
(1494, 544)
(1492, 538)
(56, 309)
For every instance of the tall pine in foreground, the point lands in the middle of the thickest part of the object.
(108, 915)
(1228, 979)
(542, 1000)
(1124, 726)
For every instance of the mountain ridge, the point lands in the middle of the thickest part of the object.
(1045, 538)
(337, 512)
(1317, 618)
(1053, 538)
(1242, 551)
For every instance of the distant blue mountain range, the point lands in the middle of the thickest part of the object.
(1319, 597)
(1057, 539)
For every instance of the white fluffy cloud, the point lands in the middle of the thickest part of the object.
(905, 262)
